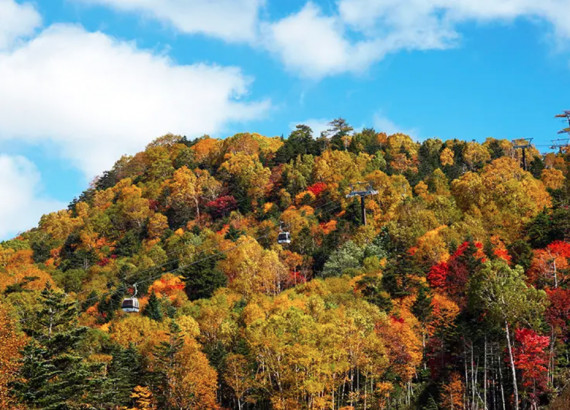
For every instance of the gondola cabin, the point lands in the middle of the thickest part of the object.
(130, 305)
(283, 237)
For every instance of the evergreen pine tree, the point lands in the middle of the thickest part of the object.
(153, 309)
(166, 363)
(422, 307)
(126, 371)
(53, 375)
(202, 277)
(397, 279)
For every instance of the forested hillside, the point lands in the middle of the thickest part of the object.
(454, 294)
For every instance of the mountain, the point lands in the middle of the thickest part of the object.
(454, 294)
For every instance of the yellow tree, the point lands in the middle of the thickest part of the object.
(392, 191)
(238, 376)
(403, 151)
(446, 157)
(142, 396)
(157, 225)
(11, 343)
(333, 166)
(59, 224)
(194, 382)
(431, 247)
(206, 149)
(453, 392)
(249, 173)
(252, 269)
(131, 205)
(139, 330)
(475, 155)
(552, 178)
(503, 197)
(21, 271)
(185, 189)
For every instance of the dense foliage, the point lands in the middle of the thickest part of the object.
(455, 294)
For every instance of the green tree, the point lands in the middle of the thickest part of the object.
(508, 300)
(167, 362)
(153, 309)
(202, 277)
(300, 142)
(348, 256)
(399, 275)
(53, 374)
(126, 370)
(422, 307)
(339, 134)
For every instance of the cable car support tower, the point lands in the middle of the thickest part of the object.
(363, 193)
(524, 144)
(562, 143)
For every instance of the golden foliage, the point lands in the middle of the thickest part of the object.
(252, 269)
(141, 331)
(503, 196)
(452, 393)
(446, 157)
(11, 342)
(552, 178)
(143, 398)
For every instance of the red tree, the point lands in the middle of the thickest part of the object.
(531, 358)
(221, 206)
(317, 188)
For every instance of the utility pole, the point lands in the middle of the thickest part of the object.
(368, 191)
(524, 144)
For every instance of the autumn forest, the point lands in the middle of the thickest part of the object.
(451, 291)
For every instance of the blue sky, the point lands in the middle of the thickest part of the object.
(83, 82)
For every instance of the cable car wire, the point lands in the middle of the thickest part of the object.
(323, 206)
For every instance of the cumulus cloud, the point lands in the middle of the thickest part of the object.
(16, 21)
(315, 45)
(230, 20)
(353, 35)
(98, 98)
(362, 32)
(21, 200)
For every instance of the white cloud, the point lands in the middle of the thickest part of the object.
(313, 44)
(16, 21)
(440, 17)
(362, 32)
(381, 123)
(230, 20)
(318, 125)
(21, 200)
(353, 36)
(98, 98)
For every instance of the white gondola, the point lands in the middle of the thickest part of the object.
(131, 305)
(283, 236)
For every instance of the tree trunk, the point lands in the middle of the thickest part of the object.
(501, 381)
(512, 360)
(485, 374)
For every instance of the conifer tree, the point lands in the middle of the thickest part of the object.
(126, 371)
(422, 307)
(53, 375)
(398, 276)
(167, 362)
(202, 277)
(153, 309)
